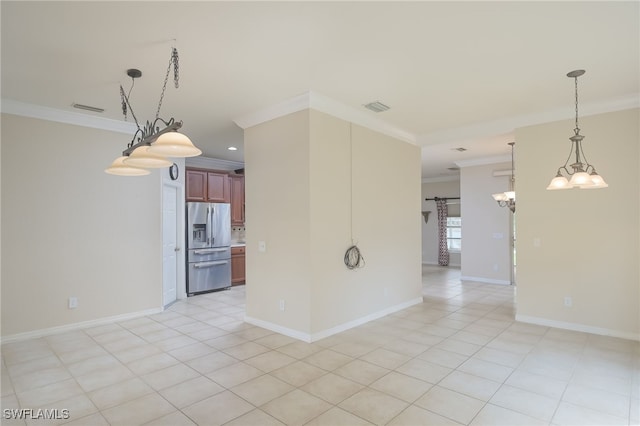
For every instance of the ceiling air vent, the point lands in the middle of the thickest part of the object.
(460, 149)
(376, 106)
(88, 108)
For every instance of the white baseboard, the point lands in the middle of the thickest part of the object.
(485, 280)
(299, 335)
(578, 327)
(78, 325)
(307, 337)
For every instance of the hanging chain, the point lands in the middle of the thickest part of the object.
(124, 103)
(176, 67)
(126, 106)
(173, 61)
(577, 129)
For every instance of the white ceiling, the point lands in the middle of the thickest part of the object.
(454, 73)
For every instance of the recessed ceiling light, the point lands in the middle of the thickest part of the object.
(232, 148)
(376, 106)
(460, 149)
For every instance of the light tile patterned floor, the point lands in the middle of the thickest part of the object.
(458, 358)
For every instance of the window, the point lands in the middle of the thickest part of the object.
(454, 234)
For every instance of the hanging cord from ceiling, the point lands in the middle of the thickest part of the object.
(353, 258)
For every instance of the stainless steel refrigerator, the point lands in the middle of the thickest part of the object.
(208, 247)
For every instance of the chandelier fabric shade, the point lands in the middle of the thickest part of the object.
(583, 175)
(143, 157)
(151, 144)
(174, 144)
(119, 168)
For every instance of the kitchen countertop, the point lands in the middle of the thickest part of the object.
(238, 244)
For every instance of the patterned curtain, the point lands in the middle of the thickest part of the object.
(443, 250)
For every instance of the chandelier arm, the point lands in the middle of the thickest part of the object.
(147, 138)
(584, 157)
(568, 158)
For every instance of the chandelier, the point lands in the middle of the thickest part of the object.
(583, 175)
(508, 198)
(151, 144)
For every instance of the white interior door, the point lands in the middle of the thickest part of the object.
(170, 246)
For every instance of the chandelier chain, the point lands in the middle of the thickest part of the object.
(173, 61)
(577, 127)
(126, 106)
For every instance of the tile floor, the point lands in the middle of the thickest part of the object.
(458, 358)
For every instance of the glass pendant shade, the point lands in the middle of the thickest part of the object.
(499, 196)
(558, 182)
(141, 157)
(174, 144)
(596, 182)
(511, 195)
(119, 168)
(580, 179)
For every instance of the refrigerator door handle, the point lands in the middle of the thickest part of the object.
(208, 227)
(211, 219)
(210, 264)
(209, 251)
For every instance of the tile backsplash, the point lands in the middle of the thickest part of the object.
(237, 233)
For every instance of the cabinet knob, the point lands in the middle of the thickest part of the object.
(176, 249)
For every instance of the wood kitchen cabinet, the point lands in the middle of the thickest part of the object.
(237, 199)
(238, 265)
(206, 185)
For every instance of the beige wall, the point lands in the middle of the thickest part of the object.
(277, 212)
(69, 229)
(486, 226)
(589, 245)
(430, 228)
(300, 200)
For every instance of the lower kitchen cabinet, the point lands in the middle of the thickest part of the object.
(238, 265)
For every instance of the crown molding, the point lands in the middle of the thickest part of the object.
(509, 124)
(316, 101)
(10, 106)
(213, 163)
(483, 161)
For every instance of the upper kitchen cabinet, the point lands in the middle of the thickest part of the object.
(237, 199)
(208, 186)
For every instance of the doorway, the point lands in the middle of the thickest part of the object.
(171, 246)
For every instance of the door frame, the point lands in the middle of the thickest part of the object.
(181, 289)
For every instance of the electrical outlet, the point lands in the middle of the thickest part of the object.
(495, 267)
(282, 304)
(536, 242)
(262, 246)
(568, 302)
(73, 302)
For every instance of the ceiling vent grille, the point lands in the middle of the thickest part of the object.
(460, 149)
(376, 106)
(88, 108)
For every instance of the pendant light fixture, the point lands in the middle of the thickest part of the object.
(151, 145)
(583, 175)
(508, 198)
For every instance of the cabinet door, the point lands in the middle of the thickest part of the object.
(238, 275)
(237, 200)
(196, 183)
(217, 187)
